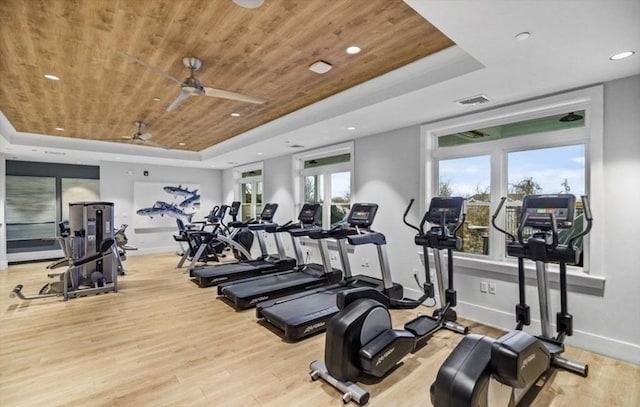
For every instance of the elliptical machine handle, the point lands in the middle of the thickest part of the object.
(495, 215)
(587, 216)
(587, 209)
(404, 218)
(457, 229)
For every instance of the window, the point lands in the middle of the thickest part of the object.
(249, 181)
(37, 199)
(324, 176)
(31, 208)
(551, 145)
(469, 177)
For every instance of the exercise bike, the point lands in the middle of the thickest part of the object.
(483, 371)
(360, 340)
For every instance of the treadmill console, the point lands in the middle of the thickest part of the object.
(362, 215)
(540, 207)
(452, 207)
(268, 212)
(310, 213)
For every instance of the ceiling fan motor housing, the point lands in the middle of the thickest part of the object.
(192, 86)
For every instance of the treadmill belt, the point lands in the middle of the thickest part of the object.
(225, 269)
(268, 284)
(304, 308)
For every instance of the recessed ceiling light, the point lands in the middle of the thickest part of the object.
(351, 128)
(117, 158)
(621, 55)
(353, 49)
(235, 114)
(260, 153)
(52, 77)
(181, 144)
(60, 128)
(320, 67)
(156, 99)
(523, 36)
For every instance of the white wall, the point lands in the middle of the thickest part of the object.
(386, 170)
(228, 187)
(278, 188)
(116, 185)
(3, 229)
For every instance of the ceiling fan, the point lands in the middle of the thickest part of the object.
(138, 136)
(191, 86)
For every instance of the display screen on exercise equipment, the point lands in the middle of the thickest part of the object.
(362, 215)
(268, 212)
(451, 207)
(309, 213)
(539, 208)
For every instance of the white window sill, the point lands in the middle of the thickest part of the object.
(577, 281)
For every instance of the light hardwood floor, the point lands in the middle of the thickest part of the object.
(162, 341)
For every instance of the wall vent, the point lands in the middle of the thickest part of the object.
(473, 100)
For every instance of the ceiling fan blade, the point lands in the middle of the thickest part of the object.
(219, 93)
(184, 95)
(153, 68)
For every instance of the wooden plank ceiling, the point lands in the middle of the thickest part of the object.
(261, 52)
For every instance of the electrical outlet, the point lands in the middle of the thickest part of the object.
(365, 262)
(492, 288)
(484, 286)
(333, 257)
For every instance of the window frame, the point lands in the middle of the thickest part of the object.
(299, 174)
(254, 180)
(591, 136)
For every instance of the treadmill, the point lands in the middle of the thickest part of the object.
(247, 293)
(306, 313)
(210, 275)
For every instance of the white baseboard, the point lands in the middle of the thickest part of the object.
(628, 352)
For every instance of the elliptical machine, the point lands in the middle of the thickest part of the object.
(483, 371)
(360, 340)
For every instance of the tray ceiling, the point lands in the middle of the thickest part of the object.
(263, 52)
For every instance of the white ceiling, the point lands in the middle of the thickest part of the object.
(569, 47)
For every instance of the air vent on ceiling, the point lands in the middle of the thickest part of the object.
(473, 100)
(296, 146)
